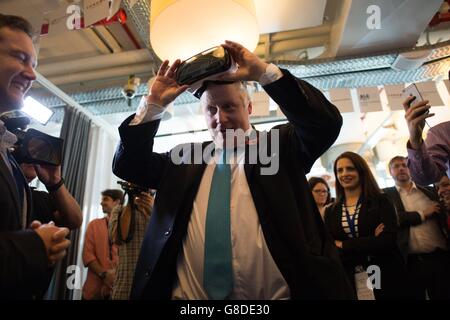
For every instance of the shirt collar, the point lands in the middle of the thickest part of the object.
(236, 156)
(7, 139)
(251, 138)
(399, 189)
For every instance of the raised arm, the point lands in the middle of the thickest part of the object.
(135, 160)
(315, 121)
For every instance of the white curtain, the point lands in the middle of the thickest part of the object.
(102, 145)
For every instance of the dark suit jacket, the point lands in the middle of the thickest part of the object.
(23, 258)
(289, 218)
(408, 219)
(370, 250)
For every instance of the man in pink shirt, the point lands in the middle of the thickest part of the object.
(99, 253)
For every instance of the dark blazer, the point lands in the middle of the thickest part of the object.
(370, 250)
(289, 218)
(23, 258)
(408, 219)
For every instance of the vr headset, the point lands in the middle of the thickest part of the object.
(204, 66)
(32, 146)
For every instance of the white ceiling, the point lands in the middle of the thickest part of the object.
(283, 15)
(299, 28)
(401, 22)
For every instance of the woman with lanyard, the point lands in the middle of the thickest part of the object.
(363, 223)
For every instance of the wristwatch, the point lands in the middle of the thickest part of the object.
(102, 275)
(55, 187)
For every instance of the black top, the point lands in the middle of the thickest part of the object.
(367, 249)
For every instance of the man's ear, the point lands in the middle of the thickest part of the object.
(249, 107)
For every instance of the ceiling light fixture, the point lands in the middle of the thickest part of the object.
(183, 28)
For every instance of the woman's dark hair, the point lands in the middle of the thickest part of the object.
(313, 181)
(16, 23)
(369, 186)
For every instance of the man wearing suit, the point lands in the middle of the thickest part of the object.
(25, 254)
(422, 236)
(271, 238)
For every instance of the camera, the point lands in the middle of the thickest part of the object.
(132, 189)
(127, 216)
(32, 146)
(130, 89)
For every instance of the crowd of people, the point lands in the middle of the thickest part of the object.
(226, 227)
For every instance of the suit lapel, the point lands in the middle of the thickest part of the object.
(428, 193)
(252, 149)
(337, 216)
(441, 218)
(6, 174)
(28, 197)
(26, 194)
(363, 219)
(397, 199)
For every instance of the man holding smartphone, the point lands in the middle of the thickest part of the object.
(428, 160)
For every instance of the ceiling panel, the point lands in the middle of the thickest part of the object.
(284, 15)
(401, 24)
(67, 46)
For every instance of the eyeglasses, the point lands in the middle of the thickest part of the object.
(320, 191)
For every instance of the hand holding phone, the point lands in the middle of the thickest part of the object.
(413, 92)
(417, 111)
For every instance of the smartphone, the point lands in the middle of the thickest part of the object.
(412, 91)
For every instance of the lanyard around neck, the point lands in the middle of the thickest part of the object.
(351, 218)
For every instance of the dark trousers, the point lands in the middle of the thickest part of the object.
(429, 273)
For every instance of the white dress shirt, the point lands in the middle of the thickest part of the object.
(7, 141)
(255, 274)
(425, 237)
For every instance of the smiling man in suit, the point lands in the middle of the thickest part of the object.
(25, 254)
(422, 235)
(226, 228)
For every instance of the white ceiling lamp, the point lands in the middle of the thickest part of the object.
(183, 28)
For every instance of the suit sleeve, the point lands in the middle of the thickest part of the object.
(386, 242)
(409, 219)
(314, 121)
(429, 163)
(134, 160)
(23, 261)
(327, 218)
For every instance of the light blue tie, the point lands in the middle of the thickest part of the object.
(218, 272)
